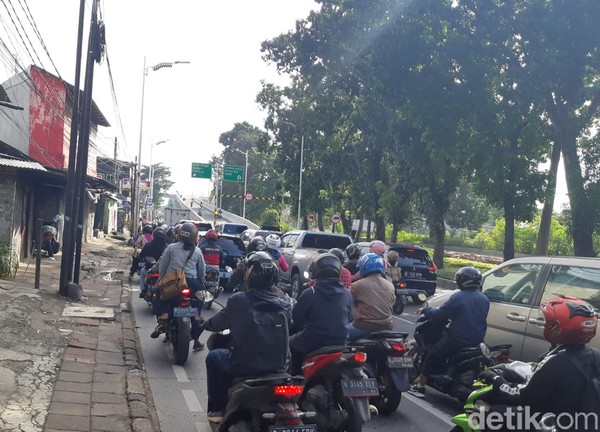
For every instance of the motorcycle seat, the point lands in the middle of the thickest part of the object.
(388, 335)
(330, 349)
(274, 378)
(470, 349)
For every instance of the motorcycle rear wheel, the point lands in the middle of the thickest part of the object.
(353, 422)
(181, 342)
(389, 400)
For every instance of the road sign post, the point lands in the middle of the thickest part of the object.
(233, 173)
(201, 170)
(336, 218)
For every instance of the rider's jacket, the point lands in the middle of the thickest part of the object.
(212, 252)
(154, 248)
(281, 262)
(374, 299)
(467, 311)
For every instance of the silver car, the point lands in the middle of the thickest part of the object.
(518, 286)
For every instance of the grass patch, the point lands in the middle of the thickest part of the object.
(452, 265)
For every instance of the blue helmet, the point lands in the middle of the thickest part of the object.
(371, 263)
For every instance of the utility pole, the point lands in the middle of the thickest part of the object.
(115, 179)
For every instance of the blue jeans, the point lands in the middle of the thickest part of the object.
(354, 333)
(143, 272)
(218, 378)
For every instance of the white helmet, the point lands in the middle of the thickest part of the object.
(273, 241)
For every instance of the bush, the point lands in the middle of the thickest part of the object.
(9, 261)
(270, 217)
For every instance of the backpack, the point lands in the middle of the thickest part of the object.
(266, 351)
(591, 371)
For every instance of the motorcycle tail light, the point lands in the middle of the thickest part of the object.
(186, 292)
(312, 364)
(402, 285)
(398, 347)
(360, 357)
(288, 391)
(291, 421)
(501, 356)
(155, 275)
(184, 304)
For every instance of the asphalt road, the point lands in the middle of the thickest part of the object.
(180, 391)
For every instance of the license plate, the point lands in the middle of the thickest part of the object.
(184, 312)
(299, 428)
(416, 275)
(399, 362)
(360, 387)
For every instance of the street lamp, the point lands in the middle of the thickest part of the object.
(245, 182)
(136, 204)
(301, 165)
(149, 210)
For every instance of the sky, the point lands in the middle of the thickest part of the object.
(188, 105)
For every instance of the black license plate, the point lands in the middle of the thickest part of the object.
(299, 428)
(360, 387)
(415, 275)
(399, 362)
(184, 312)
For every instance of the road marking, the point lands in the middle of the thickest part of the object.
(405, 320)
(203, 427)
(192, 401)
(180, 373)
(429, 408)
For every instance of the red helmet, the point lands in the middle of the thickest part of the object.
(569, 320)
(212, 234)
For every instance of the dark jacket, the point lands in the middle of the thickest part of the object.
(154, 249)
(352, 265)
(322, 314)
(467, 311)
(213, 255)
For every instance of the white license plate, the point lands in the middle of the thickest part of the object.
(360, 387)
(184, 312)
(416, 275)
(399, 362)
(299, 428)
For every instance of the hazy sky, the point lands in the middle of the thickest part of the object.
(189, 104)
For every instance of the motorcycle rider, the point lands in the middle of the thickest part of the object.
(392, 268)
(345, 275)
(376, 247)
(353, 254)
(322, 313)
(173, 258)
(212, 252)
(222, 365)
(140, 242)
(467, 311)
(374, 299)
(273, 243)
(154, 248)
(257, 244)
(556, 385)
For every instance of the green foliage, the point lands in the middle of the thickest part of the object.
(270, 217)
(9, 261)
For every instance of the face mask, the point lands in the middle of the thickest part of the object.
(392, 262)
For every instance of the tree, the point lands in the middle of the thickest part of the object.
(161, 175)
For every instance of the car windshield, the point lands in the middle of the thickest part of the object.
(234, 247)
(234, 229)
(324, 241)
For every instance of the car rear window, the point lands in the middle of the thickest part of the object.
(324, 241)
(204, 226)
(413, 256)
(234, 229)
(233, 247)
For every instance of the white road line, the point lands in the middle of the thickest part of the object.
(405, 320)
(192, 401)
(429, 408)
(203, 427)
(180, 373)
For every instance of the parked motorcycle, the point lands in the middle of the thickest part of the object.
(212, 284)
(337, 389)
(462, 369)
(387, 362)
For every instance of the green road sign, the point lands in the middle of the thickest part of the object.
(201, 170)
(233, 173)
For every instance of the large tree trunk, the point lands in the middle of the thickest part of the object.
(320, 221)
(541, 247)
(380, 228)
(509, 228)
(437, 228)
(359, 231)
(346, 223)
(394, 236)
(369, 230)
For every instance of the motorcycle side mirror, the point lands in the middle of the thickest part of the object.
(150, 260)
(204, 295)
(422, 297)
(485, 350)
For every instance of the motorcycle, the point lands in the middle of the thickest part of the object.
(151, 281)
(484, 397)
(212, 284)
(462, 369)
(337, 389)
(402, 295)
(387, 362)
(263, 404)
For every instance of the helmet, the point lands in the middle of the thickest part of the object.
(378, 247)
(467, 276)
(147, 229)
(273, 241)
(338, 253)
(569, 320)
(257, 244)
(212, 234)
(393, 256)
(370, 263)
(261, 269)
(353, 251)
(159, 234)
(325, 266)
(188, 232)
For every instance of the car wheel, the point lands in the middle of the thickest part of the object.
(296, 286)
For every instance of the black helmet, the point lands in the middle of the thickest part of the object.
(188, 232)
(338, 253)
(468, 277)
(147, 229)
(159, 234)
(257, 244)
(353, 251)
(261, 269)
(325, 266)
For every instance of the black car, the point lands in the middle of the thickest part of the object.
(233, 249)
(417, 268)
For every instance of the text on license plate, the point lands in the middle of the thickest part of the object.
(299, 428)
(399, 362)
(413, 275)
(184, 312)
(360, 387)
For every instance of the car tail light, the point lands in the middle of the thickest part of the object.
(186, 292)
(360, 357)
(313, 364)
(155, 275)
(432, 268)
(403, 285)
(398, 347)
(288, 391)
(410, 250)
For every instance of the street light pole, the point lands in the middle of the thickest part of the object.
(245, 182)
(149, 210)
(300, 182)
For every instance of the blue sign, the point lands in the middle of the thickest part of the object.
(149, 201)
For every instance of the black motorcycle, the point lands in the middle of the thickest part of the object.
(462, 369)
(151, 281)
(402, 295)
(387, 362)
(212, 284)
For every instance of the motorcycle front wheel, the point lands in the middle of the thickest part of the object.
(181, 341)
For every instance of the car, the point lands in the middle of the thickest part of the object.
(517, 287)
(202, 225)
(233, 250)
(230, 228)
(417, 269)
(272, 229)
(249, 234)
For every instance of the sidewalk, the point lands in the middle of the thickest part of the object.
(73, 366)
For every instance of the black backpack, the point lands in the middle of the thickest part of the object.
(267, 339)
(591, 371)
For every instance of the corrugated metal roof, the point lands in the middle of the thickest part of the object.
(17, 163)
